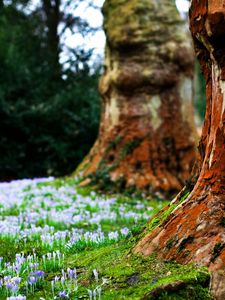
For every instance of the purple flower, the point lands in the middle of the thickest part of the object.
(33, 265)
(10, 285)
(17, 280)
(63, 295)
(72, 273)
(32, 279)
(40, 273)
(124, 231)
(6, 278)
(62, 279)
(17, 267)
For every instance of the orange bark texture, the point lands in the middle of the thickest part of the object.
(147, 136)
(195, 230)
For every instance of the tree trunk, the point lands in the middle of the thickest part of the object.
(147, 136)
(194, 231)
(52, 15)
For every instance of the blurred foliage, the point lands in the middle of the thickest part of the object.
(46, 125)
(49, 113)
(200, 101)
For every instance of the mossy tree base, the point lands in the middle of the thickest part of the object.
(147, 138)
(135, 277)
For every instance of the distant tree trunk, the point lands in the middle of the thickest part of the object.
(194, 231)
(52, 19)
(147, 135)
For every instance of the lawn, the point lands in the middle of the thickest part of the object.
(59, 241)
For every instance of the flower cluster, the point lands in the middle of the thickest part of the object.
(20, 297)
(43, 205)
(57, 220)
(95, 293)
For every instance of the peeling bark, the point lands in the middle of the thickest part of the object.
(217, 285)
(147, 136)
(195, 230)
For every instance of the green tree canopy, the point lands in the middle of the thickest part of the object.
(46, 125)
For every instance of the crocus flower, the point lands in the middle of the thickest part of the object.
(72, 273)
(124, 231)
(40, 273)
(32, 279)
(16, 280)
(95, 274)
(63, 295)
(90, 294)
(11, 285)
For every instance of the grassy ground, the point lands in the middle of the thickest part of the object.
(61, 242)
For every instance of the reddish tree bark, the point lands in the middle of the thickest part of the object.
(195, 230)
(147, 135)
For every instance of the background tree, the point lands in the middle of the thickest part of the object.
(192, 229)
(47, 125)
(147, 136)
(52, 19)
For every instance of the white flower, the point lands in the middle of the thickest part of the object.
(113, 235)
(95, 275)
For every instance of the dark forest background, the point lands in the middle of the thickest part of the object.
(49, 111)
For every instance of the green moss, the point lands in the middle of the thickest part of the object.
(84, 191)
(102, 180)
(184, 197)
(11, 246)
(57, 183)
(161, 217)
(13, 211)
(130, 146)
(113, 144)
(7, 249)
(101, 177)
(193, 292)
(131, 277)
